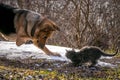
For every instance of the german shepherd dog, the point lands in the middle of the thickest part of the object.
(27, 25)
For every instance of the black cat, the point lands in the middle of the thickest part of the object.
(87, 54)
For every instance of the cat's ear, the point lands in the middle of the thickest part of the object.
(73, 49)
(67, 50)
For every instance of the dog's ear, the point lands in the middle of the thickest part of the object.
(51, 28)
(56, 27)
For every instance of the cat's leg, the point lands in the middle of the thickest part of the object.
(93, 63)
(76, 64)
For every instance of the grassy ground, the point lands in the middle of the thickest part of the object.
(55, 70)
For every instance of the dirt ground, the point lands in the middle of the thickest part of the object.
(61, 67)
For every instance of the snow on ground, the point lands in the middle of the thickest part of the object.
(11, 51)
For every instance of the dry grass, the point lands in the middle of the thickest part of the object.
(54, 70)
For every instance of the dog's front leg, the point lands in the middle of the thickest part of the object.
(48, 52)
(21, 36)
(44, 48)
(21, 40)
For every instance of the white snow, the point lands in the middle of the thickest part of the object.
(104, 64)
(11, 51)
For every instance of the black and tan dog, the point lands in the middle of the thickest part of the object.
(27, 25)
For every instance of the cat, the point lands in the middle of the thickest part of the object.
(87, 54)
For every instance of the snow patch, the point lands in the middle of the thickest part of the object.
(104, 64)
(11, 51)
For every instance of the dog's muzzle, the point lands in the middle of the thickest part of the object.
(41, 45)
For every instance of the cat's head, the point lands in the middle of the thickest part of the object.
(70, 54)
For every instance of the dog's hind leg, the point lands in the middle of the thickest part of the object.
(2, 37)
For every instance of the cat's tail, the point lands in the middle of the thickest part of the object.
(105, 54)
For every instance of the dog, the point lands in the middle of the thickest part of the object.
(87, 54)
(27, 25)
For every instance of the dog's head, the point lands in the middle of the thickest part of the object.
(44, 30)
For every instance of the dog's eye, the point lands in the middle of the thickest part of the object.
(45, 37)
